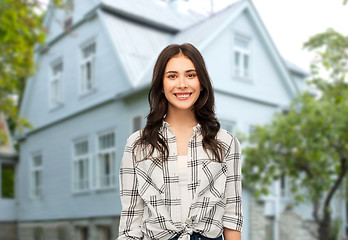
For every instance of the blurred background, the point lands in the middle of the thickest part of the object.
(74, 79)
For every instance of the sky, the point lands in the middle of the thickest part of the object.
(290, 23)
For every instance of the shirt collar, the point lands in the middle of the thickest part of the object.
(196, 129)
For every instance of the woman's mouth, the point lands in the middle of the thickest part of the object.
(182, 96)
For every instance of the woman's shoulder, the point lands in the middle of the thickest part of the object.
(226, 136)
(133, 137)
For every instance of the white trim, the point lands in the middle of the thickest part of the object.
(242, 53)
(31, 180)
(113, 164)
(58, 78)
(82, 84)
(86, 158)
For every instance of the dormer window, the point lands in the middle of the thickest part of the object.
(241, 57)
(56, 83)
(87, 83)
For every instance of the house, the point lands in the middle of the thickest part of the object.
(89, 94)
(8, 163)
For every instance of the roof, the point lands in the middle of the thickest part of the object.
(200, 32)
(137, 46)
(296, 69)
(152, 13)
(204, 32)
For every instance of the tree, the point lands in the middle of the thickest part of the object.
(308, 144)
(20, 30)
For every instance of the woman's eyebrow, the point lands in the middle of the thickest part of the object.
(190, 70)
(171, 72)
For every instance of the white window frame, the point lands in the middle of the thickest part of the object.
(111, 178)
(77, 159)
(55, 87)
(36, 190)
(87, 85)
(240, 71)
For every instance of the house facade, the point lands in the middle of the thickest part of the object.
(89, 94)
(8, 164)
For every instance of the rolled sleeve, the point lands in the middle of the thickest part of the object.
(233, 217)
(132, 203)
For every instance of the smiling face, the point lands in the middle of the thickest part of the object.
(181, 85)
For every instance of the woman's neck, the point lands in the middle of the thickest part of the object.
(177, 118)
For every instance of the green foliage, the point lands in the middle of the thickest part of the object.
(7, 182)
(308, 144)
(335, 230)
(20, 30)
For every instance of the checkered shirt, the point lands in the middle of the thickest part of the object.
(150, 194)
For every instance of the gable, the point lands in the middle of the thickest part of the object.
(266, 82)
(214, 38)
(109, 76)
(55, 17)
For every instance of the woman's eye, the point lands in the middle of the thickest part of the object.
(191, 75)
(172, 76)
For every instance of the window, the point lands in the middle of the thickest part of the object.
(104, 233)
(38, 234)
(62, 234)
(241, 55)
(136, 123)
(228, 125)
(82, 233)
(88, 68)
(81, 166)
(285, 186)
(36, 176)
(252, 129)
(106, 169)
(56, 82)
(7, 180)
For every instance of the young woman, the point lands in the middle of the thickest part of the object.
(180, 176)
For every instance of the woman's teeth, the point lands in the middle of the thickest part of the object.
(183, 95)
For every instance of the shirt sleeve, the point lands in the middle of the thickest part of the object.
(132, 203)
(233, 217)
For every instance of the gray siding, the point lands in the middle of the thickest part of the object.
(110, 77)
(55, 144)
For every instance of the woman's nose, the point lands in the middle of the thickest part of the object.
(182, 82)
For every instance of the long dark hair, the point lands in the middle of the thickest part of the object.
(203, 108)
